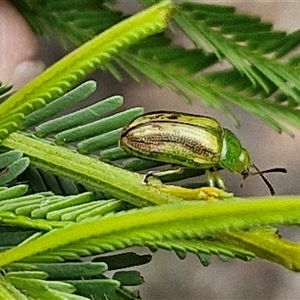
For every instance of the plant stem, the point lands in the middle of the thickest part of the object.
(179, 220)
(117, 182)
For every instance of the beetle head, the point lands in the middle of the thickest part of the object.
(247, 172)
(243, 164)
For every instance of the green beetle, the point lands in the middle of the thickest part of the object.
(190, 141)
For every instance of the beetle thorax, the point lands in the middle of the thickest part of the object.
(234, 157)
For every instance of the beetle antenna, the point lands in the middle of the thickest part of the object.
(274, 170)
(260, 173)
(269, 185)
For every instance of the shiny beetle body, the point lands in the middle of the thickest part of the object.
(187, 140)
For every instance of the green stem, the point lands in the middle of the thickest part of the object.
(266, 245)
(179, 220)
(109, 179)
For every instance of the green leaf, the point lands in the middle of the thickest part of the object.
(3, 90)
(202, 248)
(41, 289)
(77, 270)
(98, 289)
(123, 260)
(10, 236)
(70, 21)
(14, 170)
(67, 100)
(40, 181)
(13, 192)
(9, 157)
(60, 77)
(79, 117)
(128, 278)
(102, 141)
(26, 274)
(251, 46)
(98, 127)
(61, 203)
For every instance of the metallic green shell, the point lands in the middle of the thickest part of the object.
(184, 139)
(234, 157)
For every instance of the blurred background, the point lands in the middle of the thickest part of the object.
(166, 276)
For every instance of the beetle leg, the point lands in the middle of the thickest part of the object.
(214, 178)
(160, 174)
(219, 180)
(210, 178)
(203, 193)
